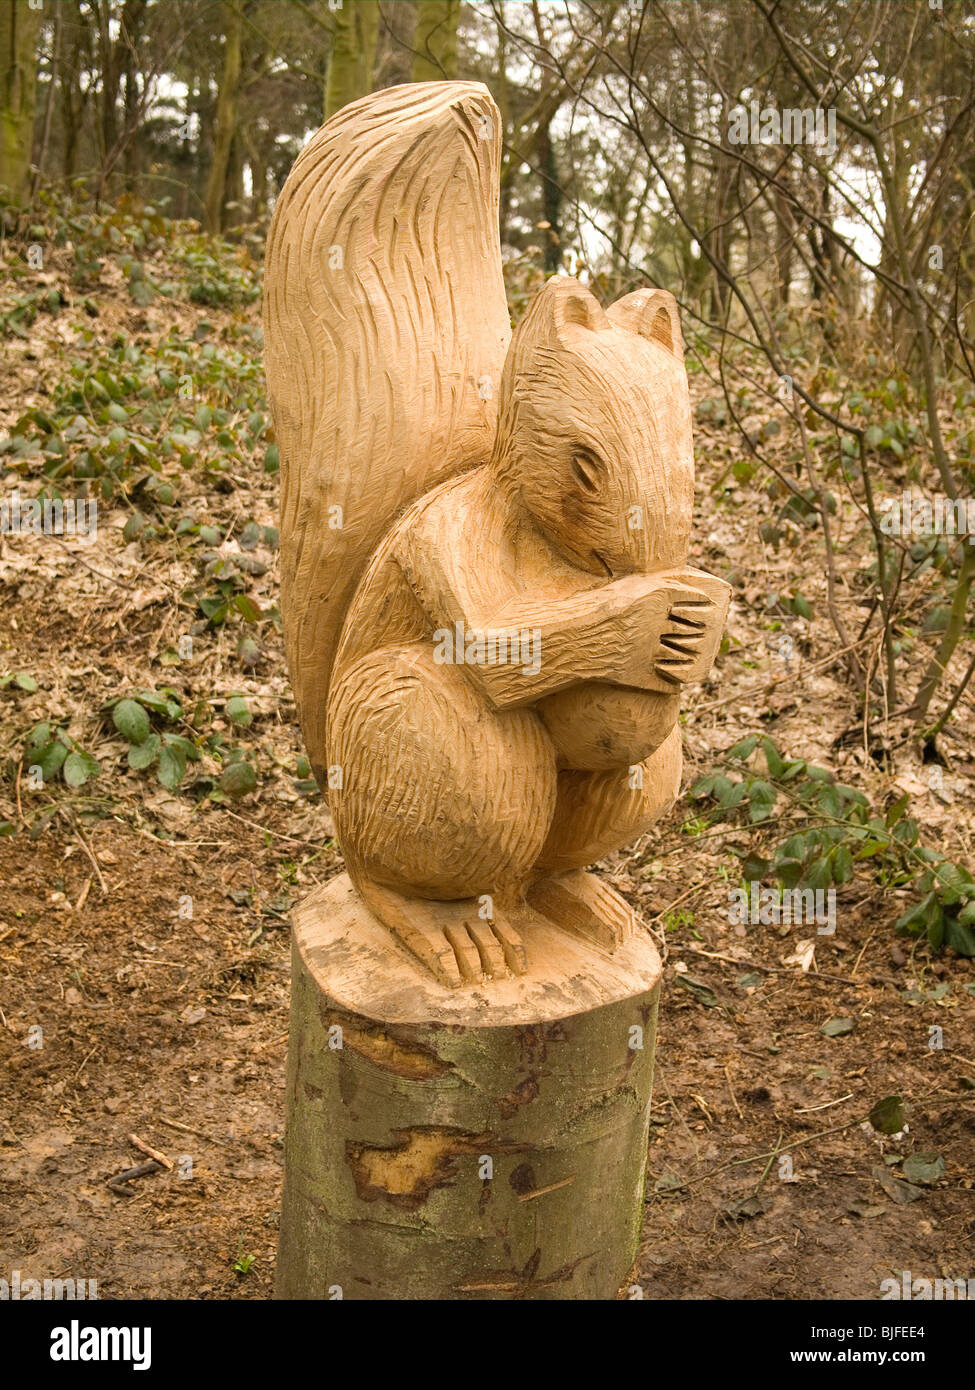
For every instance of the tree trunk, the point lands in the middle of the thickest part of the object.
(52, 86)
(226, 117)
(350, 63)
(394, 48)
(784, 232)
(234, 188)
(132, 16)
(436, 40)
(19, 35)
(108, 89)
(257, 158)
(71, 102)
(551, 197)
(482, 1143)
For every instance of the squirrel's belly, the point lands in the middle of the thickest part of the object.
(598, 726)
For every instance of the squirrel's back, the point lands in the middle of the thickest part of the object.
(385, 333)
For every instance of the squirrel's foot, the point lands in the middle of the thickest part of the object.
(584, 905)
(456, 945)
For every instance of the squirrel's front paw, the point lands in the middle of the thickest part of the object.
(456, 945)
(692, 632)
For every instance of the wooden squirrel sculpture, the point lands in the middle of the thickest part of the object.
(487, 608)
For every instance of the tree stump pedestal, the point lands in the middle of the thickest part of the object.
(487, 1142)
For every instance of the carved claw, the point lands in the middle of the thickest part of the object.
(488, 950)
(691, 622)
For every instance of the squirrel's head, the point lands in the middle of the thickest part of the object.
(594, 428)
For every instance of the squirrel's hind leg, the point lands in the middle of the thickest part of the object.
(443, 807)
(596, 813)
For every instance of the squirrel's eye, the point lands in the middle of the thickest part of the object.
(586, 468)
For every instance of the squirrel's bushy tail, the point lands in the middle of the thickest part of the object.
(385, 333)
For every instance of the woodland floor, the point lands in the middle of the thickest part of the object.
(174, 1028)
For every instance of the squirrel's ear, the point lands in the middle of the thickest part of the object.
(652, 314)
(562, 301)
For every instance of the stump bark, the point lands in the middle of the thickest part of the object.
(487, 1142)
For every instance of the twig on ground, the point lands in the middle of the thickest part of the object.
(152, 1153)
(120, 1182)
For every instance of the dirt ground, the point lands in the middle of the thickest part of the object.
(176, 1031)
(144, 950)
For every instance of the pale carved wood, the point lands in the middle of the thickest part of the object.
(488, 652)
(385, 326)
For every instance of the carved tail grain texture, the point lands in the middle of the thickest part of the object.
(386, 329)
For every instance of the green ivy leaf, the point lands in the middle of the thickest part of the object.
(704, 786)
(189, 750)
(131, 720)
(842, 865)
(793, 848)
(819, 873)
(172, 767)
(828, 799)
(246, 606)
(936, 926)
(134, 527)
(215, 609)
(50, 759)
(237, 711)
(789, 873)
(953, 881)
(906, 832)
(160, 702)
(911, 922)
(761, 799)
(888, 1116)
(78, 767)
(959, 937)
(754, 868)
(238, 779)
(776, 763)
(144, 754)
(793, 769)
(39, 735)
